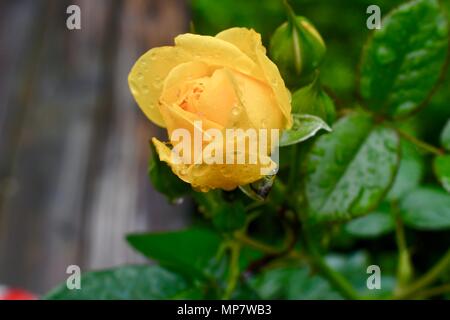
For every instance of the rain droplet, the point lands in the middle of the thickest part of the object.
(145, 89)
(274, 82)
(140, 76)
(157, 84)
(441, 27)
(134, 88)
(235, 111)
(264, 123)
(405, 107)
(225, 172)
(385, 55)
(199, 170)
(178, 201)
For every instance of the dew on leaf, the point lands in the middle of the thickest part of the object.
(385, 55)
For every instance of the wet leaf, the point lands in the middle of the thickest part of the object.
(375, 224)
(259, 190)
(442, 171)
(349, 171)
(304, 127)
(179, 249)
(426, 208)
(410, 172)
(403, 60)
(313, 100)
(292, 283)
(128, 283)
(445, 136)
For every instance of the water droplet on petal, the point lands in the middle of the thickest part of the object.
(145, 89)
(134, 89)
(199, 170)
(236, 111)
(182, 172)
(264, 123)
(225, 171)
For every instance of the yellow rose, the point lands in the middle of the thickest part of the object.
(226, 81)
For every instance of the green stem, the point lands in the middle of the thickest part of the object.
(421, 144)
(428, 278)
(233, 277)
(334, 278)
(405, 268)
(436, 291)
(255, 244)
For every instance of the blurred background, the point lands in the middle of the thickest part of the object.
(73, 143)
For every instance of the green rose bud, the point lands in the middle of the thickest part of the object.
(313, 100)
(298, 50)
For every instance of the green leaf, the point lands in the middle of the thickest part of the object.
(442, 170)
(312, 100)
(349, 171)
(304, 127)
(163, 179)
(300, 283)
(353, 267)
(445, 136)
(229, 216)
(426, 208)
(259, 190)
(375, 224)
(292, 283)
(410, 172)
(403, 60)
(128, 283)
(189, 251)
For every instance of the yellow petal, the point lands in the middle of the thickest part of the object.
(219, 99)
(205, 177)
(249, 42)
(186, 72)
(147, 76)
(258, 102)
(175, 118)
(245, 39)
(167, 156)
(217, 52)
(181, 81)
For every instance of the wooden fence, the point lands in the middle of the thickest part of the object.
(73, 143)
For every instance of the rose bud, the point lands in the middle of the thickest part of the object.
(298, 50)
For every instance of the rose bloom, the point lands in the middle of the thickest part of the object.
(226, 81)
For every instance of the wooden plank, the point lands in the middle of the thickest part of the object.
(74, 150)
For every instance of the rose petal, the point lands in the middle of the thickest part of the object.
(218, 99)
(217, 52)
(249, 42)
(211, 176)
(147, 76)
